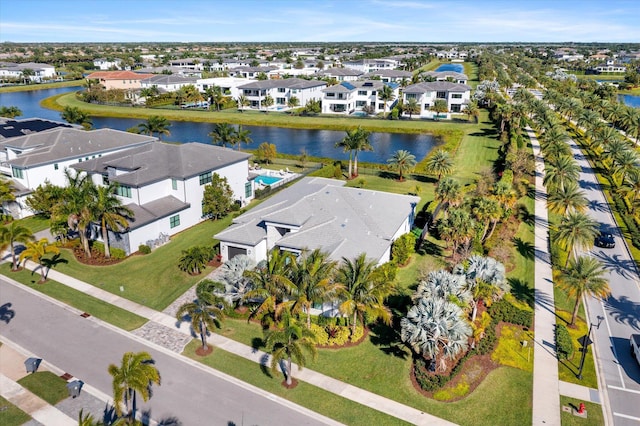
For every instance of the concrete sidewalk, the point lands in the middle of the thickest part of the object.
(546, 394)
(361, 396)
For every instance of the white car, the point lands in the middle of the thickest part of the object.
(634, 341)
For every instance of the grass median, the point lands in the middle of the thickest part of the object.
(10, 415)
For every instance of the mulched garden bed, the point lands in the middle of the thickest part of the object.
(96, 259)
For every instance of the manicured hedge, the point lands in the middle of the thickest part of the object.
(564, 345)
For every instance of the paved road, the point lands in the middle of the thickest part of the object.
(190, 393)
(620, 373)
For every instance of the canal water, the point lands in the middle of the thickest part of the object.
(320, 143)
(630, 100)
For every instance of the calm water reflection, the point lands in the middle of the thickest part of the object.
(319, 143)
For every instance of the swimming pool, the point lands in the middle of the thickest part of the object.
(451, 67)
(267, 180)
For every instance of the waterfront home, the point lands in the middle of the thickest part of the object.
(370, 65)
(168, 83)
(390, 76)
(127, 80)
(281, 91)
(350, 96)
(104, 64)
(453, 76)
(455, 94)
(40, 72)
(163, 184)
(320, 213)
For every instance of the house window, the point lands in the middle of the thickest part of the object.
(456, 96)
(455, 108)
(362, 93)
(174, 221)
(411, 96)
(426, 106)
(380, 106)
(441, 95)
(361, 104)
(174, 184)
(281, 89)
(55, 166)
(124, 191)
(105, 180)
(281, 101)
(248, 191)
(17, 173)
(205, 178)
(373, 93)
(331, 95)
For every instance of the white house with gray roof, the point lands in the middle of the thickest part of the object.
(455, 94)
(387, 76)
(320, 213)
(168, 83)
(341, 74)
(33, 159)
(455, 77)
(351, 96)
(163, 184)
(281, 91)
(41, 72)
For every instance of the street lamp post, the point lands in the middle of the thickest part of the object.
(586, 341)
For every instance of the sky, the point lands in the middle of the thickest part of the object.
(319, 21)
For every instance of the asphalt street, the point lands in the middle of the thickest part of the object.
(84, 348)
(621, 311)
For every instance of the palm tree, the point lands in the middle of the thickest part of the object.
(110, 212)
(348, 144)
(433, 327)
(293, 102)
(458, 229)
(78, 206)
(440, 105)
(486, 280)
(569, 198)
(312, 278)
(632, 188)
(411, 107)
(289, 343)
(235, 280)
(448, 193)
(472, 110)
(486, 211)
(576, 230)
(365, 290)
(267, 102)
(385, 94)
(241, 136)
(222, 134)
(216, 97)
(242, 102)
(439, 164)
(10, 112)
(560, 171)
(444, 285)
(361, 144)
(583, 276)
(11, 234)
(204, 313)
(36, 250)
(588, 118)
(75, 115)
(631, 122)
(194, 259)
(135, 375)
(155, 124)
(625, 163)
(402, 161)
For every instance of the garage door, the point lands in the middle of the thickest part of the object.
(234, 251)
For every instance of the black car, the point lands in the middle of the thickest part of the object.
(605, 240)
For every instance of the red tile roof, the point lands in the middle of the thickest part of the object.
(118, 75)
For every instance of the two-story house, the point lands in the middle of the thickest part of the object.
(127, 80)
(340, 74)
(389, 76)
(456, 96)
(281, 91)
(351, 96)
(455, 77)
(168, 83)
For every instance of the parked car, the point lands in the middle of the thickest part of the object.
(605, 240)
(634, 341)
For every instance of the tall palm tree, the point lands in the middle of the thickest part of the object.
(583, 276)
(312, 277)
(569, 198)
(288, 344)
(385, 94)
(204, 313)
(433, 327)
(458, 229)
(110, 212)
(348, 144)
(11, 234)
(560, 171)
(631, 122)
(448, 193)
(625, 163)
(155, 125)
(242, 102)
(402, 161)
(135, 375)
(411, 107)
(487, 212)
(215, 95)
(223, 134)
(241, 136)
(36, 250)
(362, 143)
(365, 290)
(632, 188)
(440, 164)
(576, 231)
(78, 206)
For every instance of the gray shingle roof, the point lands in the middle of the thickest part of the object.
(157, 161)
(154, 210)
(445, 74)
(434, 86)
(67, 143)
(289, 83)
(341, 72)
(170, 79)
(390, 73)
(342, 221)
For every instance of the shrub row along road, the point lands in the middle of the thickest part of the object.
(189, 392)
(619, 373)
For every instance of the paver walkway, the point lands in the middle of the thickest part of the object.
(546, 393)
(361, 396)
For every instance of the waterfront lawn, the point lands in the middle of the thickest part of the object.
(312, 397)
(46, 385)
(477, 151)
(79, 300)
(153, 280)
(10, 415)
(40, 86)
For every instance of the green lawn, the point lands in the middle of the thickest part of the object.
(79, 300)
(594, 413)
(35, 223)
(153, 280)
(10, 415)
(41, 86)
(312, 397)
(46, 385)
(477, 151)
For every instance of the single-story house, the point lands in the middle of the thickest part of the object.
(320, 213)
(455, 94)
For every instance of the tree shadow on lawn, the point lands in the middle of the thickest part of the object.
(525, 248)
(524, 214)
(429, 248)
(388, 340)
(522, 292)
(487, 133)
(256, 344)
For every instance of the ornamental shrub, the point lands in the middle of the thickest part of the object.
(144, 249)
(564, 344)
(502, 310)
(117, 253)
